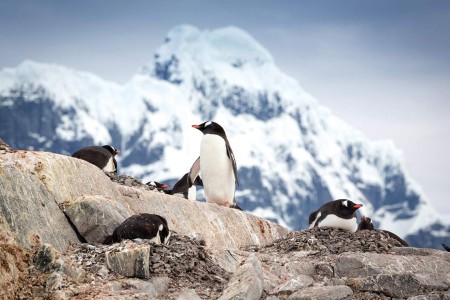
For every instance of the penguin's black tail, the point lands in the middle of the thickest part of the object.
(445, 247)
(235, 206)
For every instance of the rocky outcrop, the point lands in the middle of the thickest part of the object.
(55, 210)
(66, 200)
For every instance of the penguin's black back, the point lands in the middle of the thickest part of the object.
(96, 155)
(142, 226)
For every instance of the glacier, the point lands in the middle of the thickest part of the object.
(293, 154)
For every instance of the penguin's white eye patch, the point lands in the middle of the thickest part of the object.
(152, 183)
(208, 123)
(345, 203)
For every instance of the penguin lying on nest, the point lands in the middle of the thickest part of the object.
(143, 226)
(366, 224)
(101, 156)
(216, 164)
(339, 213)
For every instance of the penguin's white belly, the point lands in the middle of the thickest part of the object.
(336, 222)
(217, 170)
(110, 166)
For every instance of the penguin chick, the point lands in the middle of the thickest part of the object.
(101, 156)
(339, 213)
(366, 224)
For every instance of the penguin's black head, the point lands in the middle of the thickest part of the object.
(346, 207)
(366, 223)
(210, 127)
(111, 149)
(157, 185)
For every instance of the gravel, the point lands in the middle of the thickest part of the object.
(323, 241)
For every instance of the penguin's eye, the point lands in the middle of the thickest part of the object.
(208, 123)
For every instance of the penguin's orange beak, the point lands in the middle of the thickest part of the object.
(196, 126)
(117, 151)
(165, 186)
(356, 206)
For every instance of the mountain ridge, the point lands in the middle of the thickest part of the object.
(293, 154)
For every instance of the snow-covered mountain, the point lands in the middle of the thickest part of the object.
(293, 154)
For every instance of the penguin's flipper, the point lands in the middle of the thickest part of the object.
(233, 161)
(194, 171)
(446, 247)
(115, 166)
(313, 219)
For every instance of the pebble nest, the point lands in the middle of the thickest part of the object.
(324, 241)
(184, 260)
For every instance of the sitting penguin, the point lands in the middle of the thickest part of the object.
(185, 187)
(338, 214)
(143, 226)
(101, 156)
(366, 224)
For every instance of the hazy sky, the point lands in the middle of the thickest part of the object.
(382, 66)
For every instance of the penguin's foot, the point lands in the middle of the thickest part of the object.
(227, 204)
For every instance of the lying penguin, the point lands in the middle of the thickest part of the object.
(158, 186)
(338, 214)
(101, 156)
(366, 224)
(143, 226)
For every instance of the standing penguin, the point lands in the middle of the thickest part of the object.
(338, 214)
(103, 157)
(216, 164)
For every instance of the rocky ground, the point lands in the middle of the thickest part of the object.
(324, 241)
(128, 180)
(309, 264)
